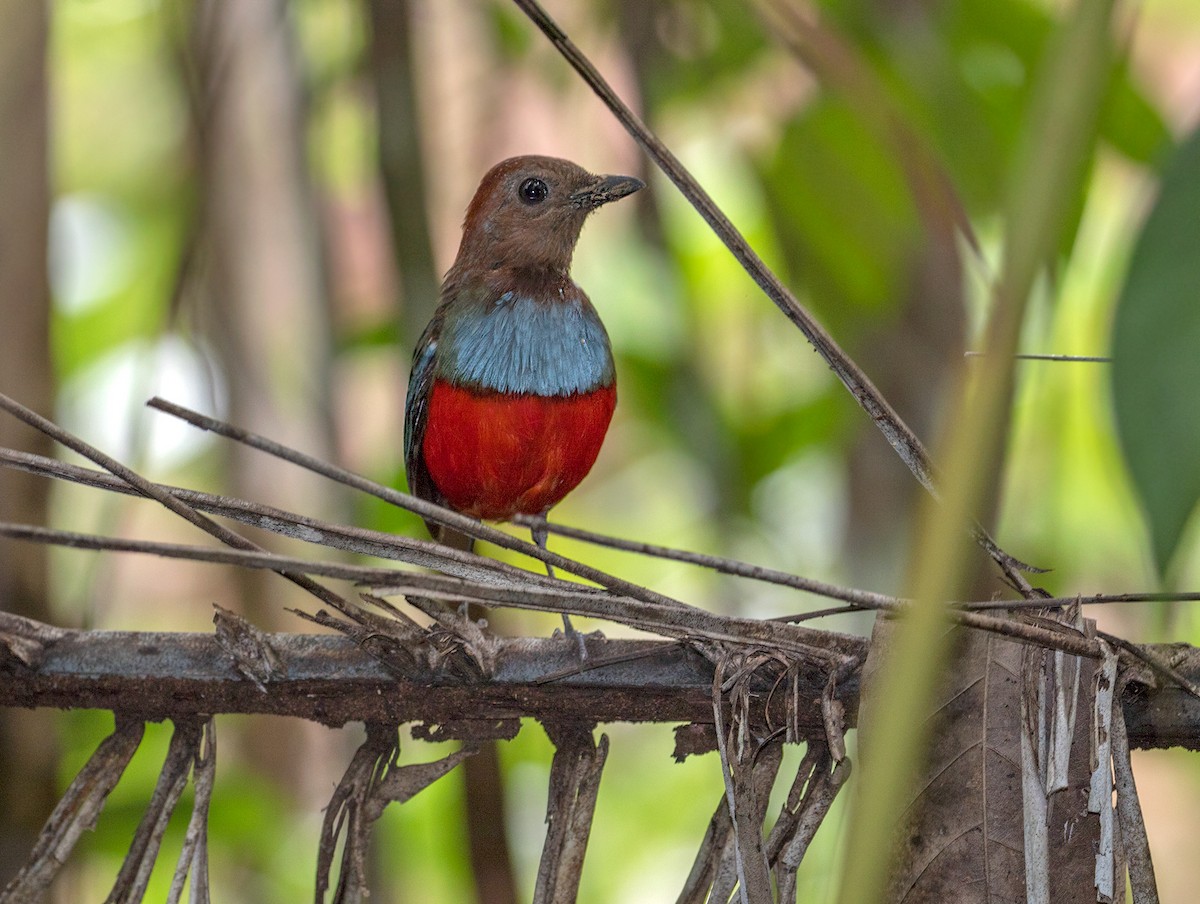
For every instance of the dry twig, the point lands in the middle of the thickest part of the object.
(646, 610)
(422, 553)
(130, 886)
(748, 767)
(818, 780)
(1136, 844)
(151, 491)
(574, 784)
(78, 810)
(713, 870)
(193, 855)
(373, 779)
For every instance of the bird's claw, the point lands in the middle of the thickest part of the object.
(570, 633)
(580, 639)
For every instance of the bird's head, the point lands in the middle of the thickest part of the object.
(528, 212)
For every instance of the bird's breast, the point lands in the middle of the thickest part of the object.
(515, 343)
(496, 454)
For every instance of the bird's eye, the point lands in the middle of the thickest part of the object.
(533, 191)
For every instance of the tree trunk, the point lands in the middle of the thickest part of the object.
(27, 739)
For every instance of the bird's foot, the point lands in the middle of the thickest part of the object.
(571, 634)
(579, 639)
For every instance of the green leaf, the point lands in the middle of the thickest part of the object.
(1156, 355)
(1131, 122)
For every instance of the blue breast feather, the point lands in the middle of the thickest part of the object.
(516, 344)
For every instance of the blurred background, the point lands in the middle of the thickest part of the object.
(246, 206)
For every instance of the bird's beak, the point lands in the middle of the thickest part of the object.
(605, 189)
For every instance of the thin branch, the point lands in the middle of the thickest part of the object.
(1049, 636)
(861, 598)
(1129, 809)
(373, 780)
(571, 802)
(193, 855)
(423, 553)
(427, 510)
(1046, 637)
(800, 617)
(744, 773)
(716, 853)
(857, 599)
(77, 811)
(262, 559)
(898, 434)
(676, 619)
(1087, 359)
(1095, 599)
(256, 558)
(131, 882)
(671, 621)
(1156, 663)
(151, 491)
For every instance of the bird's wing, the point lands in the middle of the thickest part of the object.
(416, 414)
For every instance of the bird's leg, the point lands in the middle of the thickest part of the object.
(540, 535)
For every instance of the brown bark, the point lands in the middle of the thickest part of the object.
(27, 741)
(331, 680)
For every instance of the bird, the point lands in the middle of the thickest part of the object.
(513, 383)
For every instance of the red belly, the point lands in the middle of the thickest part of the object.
(494, 456)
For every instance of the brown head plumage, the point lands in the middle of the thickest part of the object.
(528, 213)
